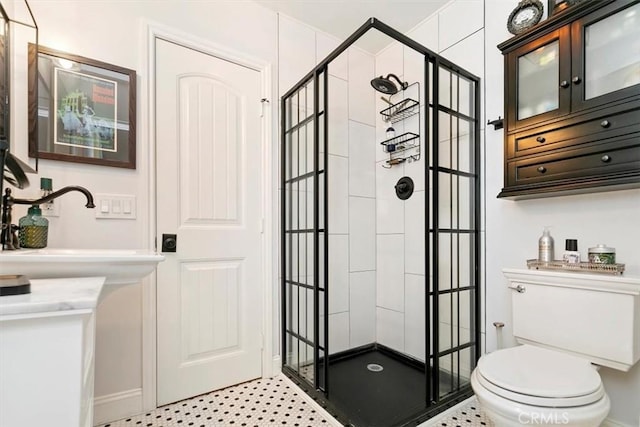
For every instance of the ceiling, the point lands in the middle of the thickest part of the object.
(341, 18)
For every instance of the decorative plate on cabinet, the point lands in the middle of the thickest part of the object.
(527, 14)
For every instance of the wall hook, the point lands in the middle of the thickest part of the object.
(497, 123)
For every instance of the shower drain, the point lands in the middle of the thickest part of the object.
(374, 367)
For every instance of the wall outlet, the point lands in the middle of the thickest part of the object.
(115, 206)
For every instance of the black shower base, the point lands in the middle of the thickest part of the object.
(395, 396)
(377, 399)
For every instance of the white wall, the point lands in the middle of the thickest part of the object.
(113, 32)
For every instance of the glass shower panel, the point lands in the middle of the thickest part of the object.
(465, 145)
(455, 227)
(445, 138)
(466, 206)
(293, 153)
(445, 261)
(466, 255)
(301, 233)
(466, 101)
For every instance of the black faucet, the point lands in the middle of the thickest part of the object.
(8, 237)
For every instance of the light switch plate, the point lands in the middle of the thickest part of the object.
(50, 209)
(115, 206)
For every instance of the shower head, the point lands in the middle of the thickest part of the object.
(386, 86)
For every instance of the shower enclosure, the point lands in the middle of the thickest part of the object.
(380, 257)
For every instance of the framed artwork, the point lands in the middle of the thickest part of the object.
(83, 111)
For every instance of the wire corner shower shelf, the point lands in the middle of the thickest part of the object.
(399, 111)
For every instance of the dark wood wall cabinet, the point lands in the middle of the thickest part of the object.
(572, 102)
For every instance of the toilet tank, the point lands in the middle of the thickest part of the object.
(593, 316)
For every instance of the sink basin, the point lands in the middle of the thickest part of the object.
(119, 266)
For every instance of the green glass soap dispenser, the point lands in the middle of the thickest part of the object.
(34, 229)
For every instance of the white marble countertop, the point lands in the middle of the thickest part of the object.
(51, 295)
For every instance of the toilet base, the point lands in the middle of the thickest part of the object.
(507, 413)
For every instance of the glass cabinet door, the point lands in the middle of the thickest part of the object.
(539, 80)
(609, 66)
(538, 73)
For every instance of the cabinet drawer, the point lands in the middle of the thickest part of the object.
(598, 160)
(607, 126)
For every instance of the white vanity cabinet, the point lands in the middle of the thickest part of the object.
(47, 341)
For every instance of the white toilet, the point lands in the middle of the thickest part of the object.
(568, 324)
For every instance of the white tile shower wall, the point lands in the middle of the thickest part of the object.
(389, 208)
(390, 272)
(362, 298)
(338, 175)
(338, 137)
(351, 188)
(361, 96)
(338, 273)
(414, 238)
(414, 310)
(338, 332)
(362, 241)
(390, 328)
(463, 44)
(362, 162)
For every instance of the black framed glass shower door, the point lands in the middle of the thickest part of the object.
(304, 233)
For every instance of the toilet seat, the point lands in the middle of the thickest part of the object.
(540, 377)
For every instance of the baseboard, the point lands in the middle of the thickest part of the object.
(613, 423)
(115, 406)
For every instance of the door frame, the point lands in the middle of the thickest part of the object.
(150, 32)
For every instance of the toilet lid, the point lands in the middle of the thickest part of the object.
(542, 373)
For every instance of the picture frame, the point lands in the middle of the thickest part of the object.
(83, 111)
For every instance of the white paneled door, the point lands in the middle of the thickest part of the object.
(209, 169)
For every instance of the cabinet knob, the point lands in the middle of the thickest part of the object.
(576, 80)
(605, 123)
(542, 169)
(540, 139)
(564, 84)
(606, 158)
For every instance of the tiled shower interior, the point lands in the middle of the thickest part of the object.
(376, 243)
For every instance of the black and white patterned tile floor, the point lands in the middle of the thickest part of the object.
(466, 414)
(268, 403)
(261, 403)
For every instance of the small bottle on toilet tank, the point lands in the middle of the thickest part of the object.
(571, 254)
(545, 246)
